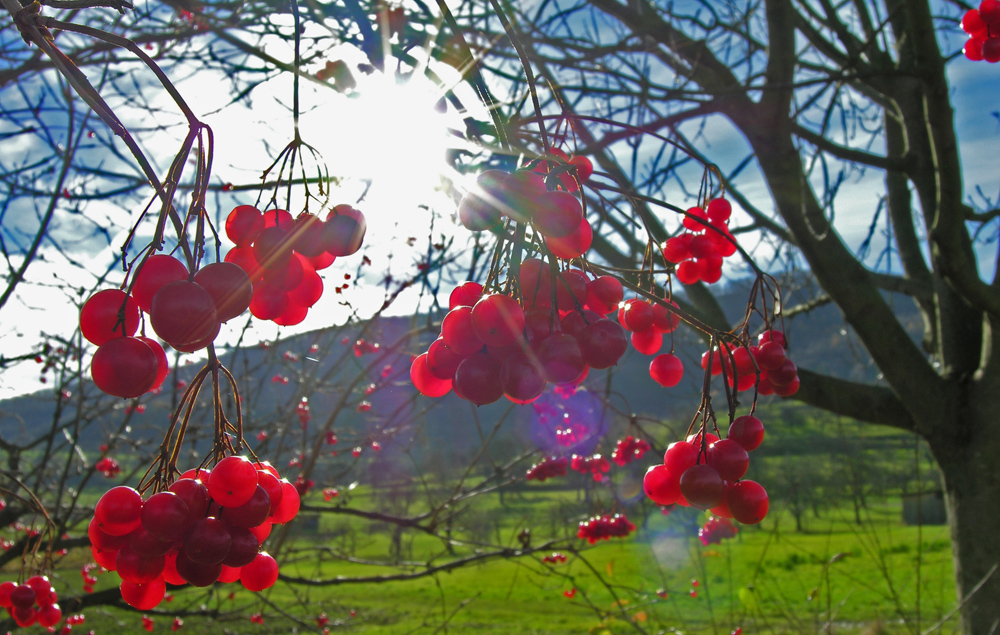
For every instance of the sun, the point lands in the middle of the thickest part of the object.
(390, 137)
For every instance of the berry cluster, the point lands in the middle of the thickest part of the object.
(778, 374)
(648, 323)
(108, 467)
(207, 527)
(715, 530)
(89, 579)
(699, 252)
(493, 345)
(605, 527)
(983, 29)
(705, 473)
(550, 467)
(185, 311)
(629, 449)
(281, 255)
(554, 558)
(595, 465)
(33, 602)
(556, 214)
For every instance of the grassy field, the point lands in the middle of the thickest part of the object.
(880, 576)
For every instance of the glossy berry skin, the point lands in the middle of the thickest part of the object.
(702, 486)
(522, 380)
(478, 379)
(133, 567)
(729, 458)
(661, 486)
(229, 287)
(117, 512)
(233, 481)
(602, 343)
(344, 231)
(158, 270)
(604, 294)
(194, 493)
(648, 342)
(667, 370)
(748, 431)
(497, 320)
(243, 548)
(561, 358)
(573, 245)
(251, 513)
(244, 224)
(559, 215)
(145, 596)
(748, 502)
(459, 333)
(207, 541)
(199, 574)
(770, 355)
(183, 313)
(426, 381)
(289, 505)
(636, 315)
(441, 360)
(465, 294)
(124, 367)
(166, 515)
(99, 316)
(260, 574)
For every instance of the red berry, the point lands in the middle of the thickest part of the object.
(702, 486)
(244, 224)
(991, 50)
(604, 294)
(183, 313)
(207, 541)
(972, 23)
(233, 481)
(288, 508)
(522, 380)
(199, 574)
(666, 370)
(229, 286)
(459, 333)
(133, 567)
(124, 367)
(117, 512)
(989, 11)
(688, 272)
(307, 235)
(561, 358)
(661, 486)
(144, 596)
(748, 431)
(559, 214)
(719, 210)
(243, 548)
(637, 315)
(194, 493)
(99, 316)
(158, 270)
(677, 249)
(465, 294)
(260, 574)
(647, 342)
(574, 244)
(344, 231)
(477, 379)
(770, 355)
(166, 515)
(748, 502)
(427, 382)
(253, 512)
(497, 320)
(693, 217)
(729, 458)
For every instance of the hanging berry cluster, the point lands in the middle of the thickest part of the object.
(765, 365)
(982, 25)
(699, 252)
(715, 530)
(704, 472)
(605, 527)
(282, 255)
(207, 527)
(34, 602)
(629, 449)
(550, 467)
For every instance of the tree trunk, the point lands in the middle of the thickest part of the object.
(972, 496)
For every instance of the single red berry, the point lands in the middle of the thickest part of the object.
(244, 224)
(307, 235)
(99, 317)
(229, 287)
(693, 219)
(729, 458)
(572, 245)
(124, 367)
(133, 567)
(561, 358)
(748, 431)
(604, 294)
(688, 272)
(477, 379)
(183, 313)
(166, 515)
(233, 481)
(522, 379)
(748, 502)
(647, 342)
(427, 382)
(559, 214)
(117, 512)
(667, 370)
(288, 508)
(661, 486)
(459, 333)
(207, 541)
(260, 574)
(158, 270)
(497, 320)
(144, 596)
(702, 486)
(242, 549)
(465, 294)
(344, 231)
(199, 574)
(719, 210)
(441, 360)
